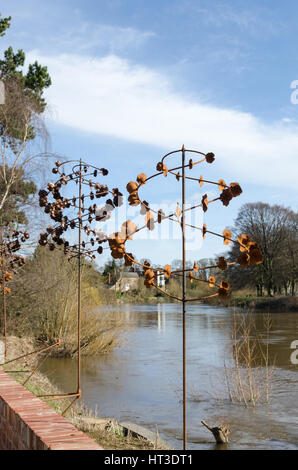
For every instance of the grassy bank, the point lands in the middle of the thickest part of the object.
(247, 300)
(106, 432)
(267, 304)
(243, 298)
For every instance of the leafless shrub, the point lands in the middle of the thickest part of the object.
(44, 303)
(248, 374)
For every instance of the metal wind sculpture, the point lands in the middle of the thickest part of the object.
(80, 218)
(11, 241)
(250, 253)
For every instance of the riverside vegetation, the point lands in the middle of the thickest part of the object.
(43, 303)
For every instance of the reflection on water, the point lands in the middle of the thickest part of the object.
(141, 380)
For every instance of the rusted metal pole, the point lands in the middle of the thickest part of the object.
(79, 281)
(4, 318)
(71, 404)
(33, 352)
(3, 294)
(183, 301)
(37, 367)
(1, 265)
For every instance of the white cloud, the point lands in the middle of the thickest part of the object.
(114, 39)
(111, 96)
(253, 20)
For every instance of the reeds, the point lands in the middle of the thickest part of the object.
(248, 373)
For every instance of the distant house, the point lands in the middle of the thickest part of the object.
(128, 281)
(161, 280)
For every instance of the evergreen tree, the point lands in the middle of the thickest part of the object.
(19, 124)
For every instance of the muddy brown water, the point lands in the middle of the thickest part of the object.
(141, 380)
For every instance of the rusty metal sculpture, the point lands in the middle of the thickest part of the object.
(90, 240)
(11, 240)
(250, 253)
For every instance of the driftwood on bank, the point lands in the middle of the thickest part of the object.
(220, 433)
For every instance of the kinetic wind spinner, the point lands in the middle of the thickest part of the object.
(250, 253)
(81, 214)
(11, 241)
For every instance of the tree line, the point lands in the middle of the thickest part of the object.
(274, 228)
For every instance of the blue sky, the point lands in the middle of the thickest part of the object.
(133, 80)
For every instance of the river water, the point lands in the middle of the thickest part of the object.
(141, 380)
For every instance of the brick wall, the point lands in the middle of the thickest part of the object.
(27, 423)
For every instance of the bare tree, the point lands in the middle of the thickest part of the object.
(274, 228)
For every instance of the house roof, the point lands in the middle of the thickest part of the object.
(129, 275)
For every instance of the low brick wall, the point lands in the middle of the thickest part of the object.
(27, 423)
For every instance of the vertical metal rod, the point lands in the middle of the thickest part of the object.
(1, 264)
(183, 300)
(4, 318)
(79, 281)
(3, 294)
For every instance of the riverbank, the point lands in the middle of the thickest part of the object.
(269, 304)
(105, 431)
(278, 304)
(240, 299)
